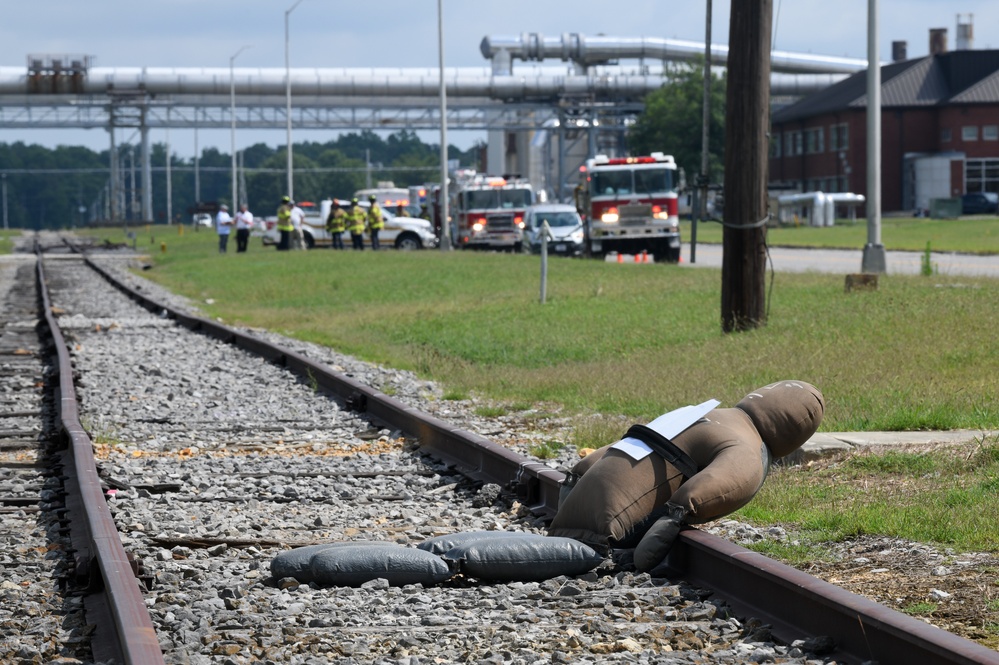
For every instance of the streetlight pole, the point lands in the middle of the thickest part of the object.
(443, 207)
(287, 80)
(873, 259)
(232, 117)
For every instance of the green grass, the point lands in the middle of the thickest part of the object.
(626, 341)
(7, 240)
(978, 235)
(546, 449)
(920, 609)
(948, 496)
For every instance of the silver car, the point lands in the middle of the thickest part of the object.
(565, 229)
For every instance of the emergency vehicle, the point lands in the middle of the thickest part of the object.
(266, 228)
(404, 233)
(630, 205)
(487, 212)
(386, 194)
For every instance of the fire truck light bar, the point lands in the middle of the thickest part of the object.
(654, 158)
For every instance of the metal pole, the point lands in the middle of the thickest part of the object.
(244, 198)
(544, 261)
(874, 252)
(287, 78)
(169, 183)
(113, 182)
(197, 171)
(702, 199)
(147, 174)
(232, 119)
(132, 204)
(445, 222)
(5, 201)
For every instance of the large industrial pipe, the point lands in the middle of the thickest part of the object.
(588, 50)
(395, 83)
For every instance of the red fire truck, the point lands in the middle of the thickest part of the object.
(630, 205)
(488, 212)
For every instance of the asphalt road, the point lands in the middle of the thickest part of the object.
(793, 259)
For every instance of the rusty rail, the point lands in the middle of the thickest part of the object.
(793, 602)
(123, 628)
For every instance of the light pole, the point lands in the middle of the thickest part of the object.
(873, 259)
(287, 81)
(232, 117)
(443, 207)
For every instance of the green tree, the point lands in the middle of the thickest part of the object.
(673, 119)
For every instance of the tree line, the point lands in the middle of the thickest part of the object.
(60, 187)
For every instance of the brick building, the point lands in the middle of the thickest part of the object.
(939, 131)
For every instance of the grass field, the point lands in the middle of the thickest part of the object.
(919, 353)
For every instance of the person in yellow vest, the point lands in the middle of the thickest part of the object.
(336, 223)
(376, 222)
(400, 211)
(355, 224)
(284, 225)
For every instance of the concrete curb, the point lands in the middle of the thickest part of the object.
(825, 444)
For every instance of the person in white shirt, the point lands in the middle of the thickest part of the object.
(223, 225)
(244, 222)
(297, 217)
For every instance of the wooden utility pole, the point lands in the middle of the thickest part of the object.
(747, 145)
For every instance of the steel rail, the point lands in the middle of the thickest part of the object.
(114, 605)
(793, 602)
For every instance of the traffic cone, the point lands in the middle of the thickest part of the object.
(645, 256)
(620, 258)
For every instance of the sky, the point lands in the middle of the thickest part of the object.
(404, 33)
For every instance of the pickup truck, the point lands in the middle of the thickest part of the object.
(406, 233)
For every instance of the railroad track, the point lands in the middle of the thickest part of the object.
(206, 497)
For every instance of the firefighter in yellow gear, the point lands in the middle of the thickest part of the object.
(376, 222)
(336, 223)
(355, 224)
(284, 225)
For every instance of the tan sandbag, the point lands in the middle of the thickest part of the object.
(616, 498)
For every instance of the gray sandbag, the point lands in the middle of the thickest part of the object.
(297, 563)
(399, 565)
(441, 544)
(525, 557)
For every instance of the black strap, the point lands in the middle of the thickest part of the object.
(664, 447)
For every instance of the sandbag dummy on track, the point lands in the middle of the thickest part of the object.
(642, 490)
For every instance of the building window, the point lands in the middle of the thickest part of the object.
(969, 133)
(775, 146)
(839, 137)
(788, 144)
(814, 141)
(981, 175)
(945, 135)
(990, 133)
(798, 143)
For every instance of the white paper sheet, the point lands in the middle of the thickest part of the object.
(669, 425)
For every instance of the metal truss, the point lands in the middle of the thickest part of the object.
(90, 112)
